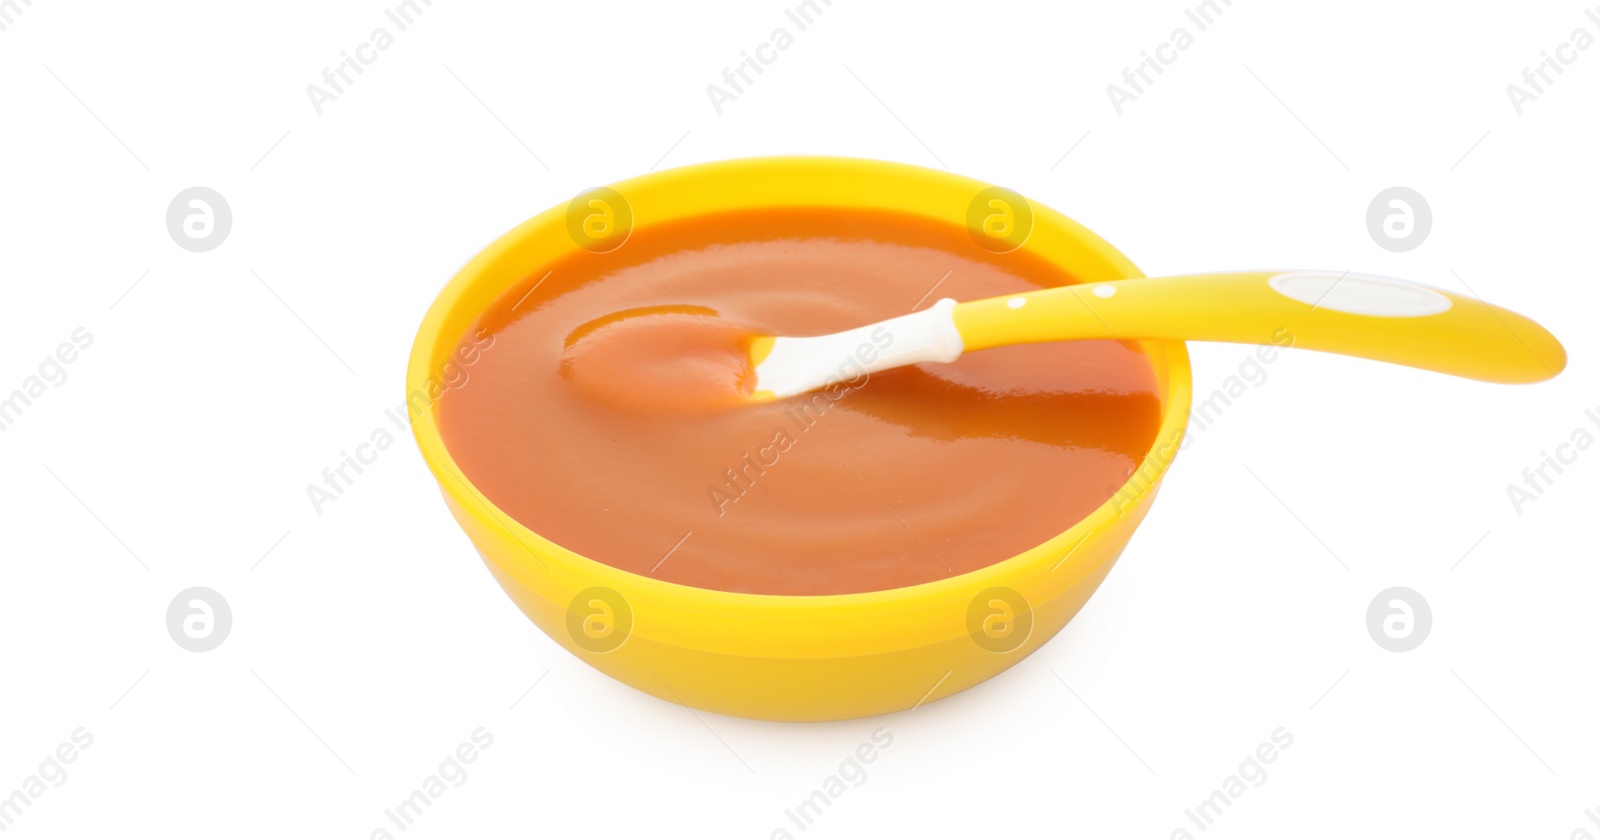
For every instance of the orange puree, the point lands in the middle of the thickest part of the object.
(609, 414)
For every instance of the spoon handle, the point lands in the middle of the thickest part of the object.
(1360, 315)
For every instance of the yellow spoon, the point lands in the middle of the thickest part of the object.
(1353, 314)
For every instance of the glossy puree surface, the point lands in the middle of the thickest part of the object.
(606, 410)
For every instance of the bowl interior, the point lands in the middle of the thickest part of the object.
(722, 187)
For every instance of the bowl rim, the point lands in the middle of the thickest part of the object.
(557, 560)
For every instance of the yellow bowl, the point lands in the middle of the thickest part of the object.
(799, 658)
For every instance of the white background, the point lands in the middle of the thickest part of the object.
(370, 641)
